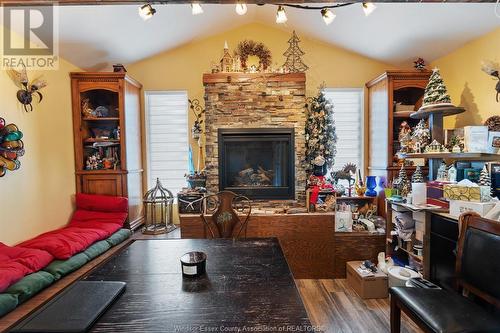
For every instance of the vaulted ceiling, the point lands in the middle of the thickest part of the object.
(94, 36)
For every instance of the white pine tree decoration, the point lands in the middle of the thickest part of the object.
(436, 92)
(421, 136)
(417, 176)
(293, 54)
(484, 177)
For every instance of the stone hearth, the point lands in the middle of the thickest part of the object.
(241, 100)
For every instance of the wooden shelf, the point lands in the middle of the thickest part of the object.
(457, 156)
(101, 119)
(411, 254)
(93, 140)
(402, 114)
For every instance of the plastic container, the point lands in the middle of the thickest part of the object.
(399, 275)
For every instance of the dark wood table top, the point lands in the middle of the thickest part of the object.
(248, 287)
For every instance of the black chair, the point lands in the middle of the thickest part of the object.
(478, 273)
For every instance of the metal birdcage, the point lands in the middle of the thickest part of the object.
(158, 207)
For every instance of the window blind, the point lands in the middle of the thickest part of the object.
(348, 115)
(167, 138)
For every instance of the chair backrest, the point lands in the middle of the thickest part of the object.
(477, 265)
(224, 208)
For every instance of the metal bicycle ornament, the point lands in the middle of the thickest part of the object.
(158, 210)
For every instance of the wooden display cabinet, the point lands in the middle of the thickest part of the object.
(107, 138)
(391, 87)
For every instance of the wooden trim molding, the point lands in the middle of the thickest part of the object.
(400, 75)
(249, 77)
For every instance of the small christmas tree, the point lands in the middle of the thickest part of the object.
(421, 136)
(436, 92)
(321, 137)
(417, 176)
(401, 183)
(293, 54)
(484, 178)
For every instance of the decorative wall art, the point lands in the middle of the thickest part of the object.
(493, 69)
(248, 48)
(27, 89)
(293, 54)
(11, 147)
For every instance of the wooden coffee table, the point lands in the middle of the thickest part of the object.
(248, 287)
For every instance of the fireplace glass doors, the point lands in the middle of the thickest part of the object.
(257, 163)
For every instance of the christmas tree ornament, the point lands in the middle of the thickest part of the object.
(421, 136)
(293, 62)
(321, 137)
(417, 176)
(401, 184)
(419, 64)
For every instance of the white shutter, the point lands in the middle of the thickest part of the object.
(348, 116)
(167, 138)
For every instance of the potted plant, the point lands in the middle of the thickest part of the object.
(196, 179)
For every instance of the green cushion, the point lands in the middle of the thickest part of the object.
(60, 268)
(118, 237)
(30, 285)
(8, 303)
(97, 249)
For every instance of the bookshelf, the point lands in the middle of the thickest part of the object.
(107, 137)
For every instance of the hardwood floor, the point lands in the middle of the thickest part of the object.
(336, 308)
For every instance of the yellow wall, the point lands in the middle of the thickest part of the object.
(467, 84)
(182, 68)
(38, 197)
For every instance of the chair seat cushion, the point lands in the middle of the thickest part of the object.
(445, 311)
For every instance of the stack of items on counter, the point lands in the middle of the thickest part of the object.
(357, 214)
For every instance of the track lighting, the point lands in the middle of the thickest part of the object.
(146, 11)
(241, 8)
(281, 15)
(368, 8)
(196, 9)
(328, 15)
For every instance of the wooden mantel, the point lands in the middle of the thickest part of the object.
(235, 77)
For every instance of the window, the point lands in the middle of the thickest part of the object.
(348, 115)
(167, 138)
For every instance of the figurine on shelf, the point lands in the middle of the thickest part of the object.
(94, 162)
(359, 185)
(417, 176)
(401, 184)
(452, 174)
(435, 147)
(86, 108)
(442, 173)
(421, 136)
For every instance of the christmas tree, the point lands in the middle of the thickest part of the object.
(484, 178)
(321, 137)
(417, 176)
(421, 136)
(293, 54)
(435, 92)
(401, 183)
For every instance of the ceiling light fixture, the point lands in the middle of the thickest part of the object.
(281, 15)
(368, 8)
(196, 9)
(241, 8)
(146, 11)
(328, 16)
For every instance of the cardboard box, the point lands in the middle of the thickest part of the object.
(467, 193)
(366, 286)
(476, 139)
(458, 207)
(435, 193)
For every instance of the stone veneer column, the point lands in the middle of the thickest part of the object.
(242, 100)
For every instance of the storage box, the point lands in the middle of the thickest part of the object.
(185, 203)
(458, 207)
(375, 286)
(476, 139)
(467, 193)
(435, 193)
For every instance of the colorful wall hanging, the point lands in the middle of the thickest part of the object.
(11, 147)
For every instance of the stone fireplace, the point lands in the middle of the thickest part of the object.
(250, 107)
(258, 163)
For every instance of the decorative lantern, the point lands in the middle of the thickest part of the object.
(158, 205)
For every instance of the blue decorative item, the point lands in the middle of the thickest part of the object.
(371, 184)
(190, 161)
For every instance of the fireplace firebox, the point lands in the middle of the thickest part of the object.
(257, 162)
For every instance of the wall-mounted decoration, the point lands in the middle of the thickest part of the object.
(27, 89)
(293, 54)
(248, 48)
(493, 69)
(197, 130)
(11, 147)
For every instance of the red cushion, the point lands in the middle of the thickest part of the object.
(10, 273)
(110, 228)
(32, 259)
(86, 216)
(101, 203)
(65, 242)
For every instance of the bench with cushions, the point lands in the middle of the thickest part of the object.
(31, 266)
